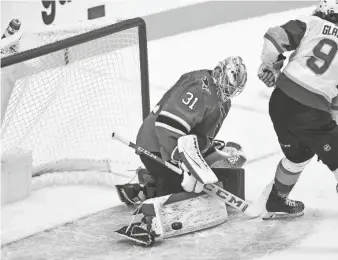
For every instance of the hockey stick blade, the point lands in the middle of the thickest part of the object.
(223, 195)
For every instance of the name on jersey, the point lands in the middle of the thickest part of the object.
(330, 30)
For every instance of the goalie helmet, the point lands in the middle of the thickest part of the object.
(328, 10)
(230, 76)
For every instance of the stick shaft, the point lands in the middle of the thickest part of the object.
(140, 150)
(223, 195)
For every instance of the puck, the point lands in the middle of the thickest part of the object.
(176, 225)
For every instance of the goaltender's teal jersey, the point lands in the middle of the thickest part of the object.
(191, 106)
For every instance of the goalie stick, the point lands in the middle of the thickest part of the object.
(223, 195)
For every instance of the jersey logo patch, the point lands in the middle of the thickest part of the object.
(205, 85)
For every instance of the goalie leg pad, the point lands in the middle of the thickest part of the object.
(174, 215)
(130, 193)
(144, 177)
(183, 213)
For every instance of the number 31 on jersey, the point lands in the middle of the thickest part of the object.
(190, 100)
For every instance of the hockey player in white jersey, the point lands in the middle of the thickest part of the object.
(303, 105)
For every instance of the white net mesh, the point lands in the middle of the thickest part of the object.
(66, 104)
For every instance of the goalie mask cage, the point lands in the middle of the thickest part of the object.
(70, 89)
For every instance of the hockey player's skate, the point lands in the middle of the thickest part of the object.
(278, 207)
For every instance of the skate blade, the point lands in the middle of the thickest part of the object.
(133, 239)
(281, 215)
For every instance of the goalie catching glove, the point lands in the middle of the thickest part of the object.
(225, 155)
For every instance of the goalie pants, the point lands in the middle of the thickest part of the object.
(304, 131)
(166, 181)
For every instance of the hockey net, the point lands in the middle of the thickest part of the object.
(70, 89)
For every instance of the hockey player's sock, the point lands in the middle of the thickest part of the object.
(287, 175)
(278, 205)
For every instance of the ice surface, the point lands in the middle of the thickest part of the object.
(53, 206)
(312, 236)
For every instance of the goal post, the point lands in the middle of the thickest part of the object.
(69, 88)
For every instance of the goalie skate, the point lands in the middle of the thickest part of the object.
(282, 208)
(138, 233)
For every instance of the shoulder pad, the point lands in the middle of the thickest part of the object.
(308, 19)
(203, 81)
